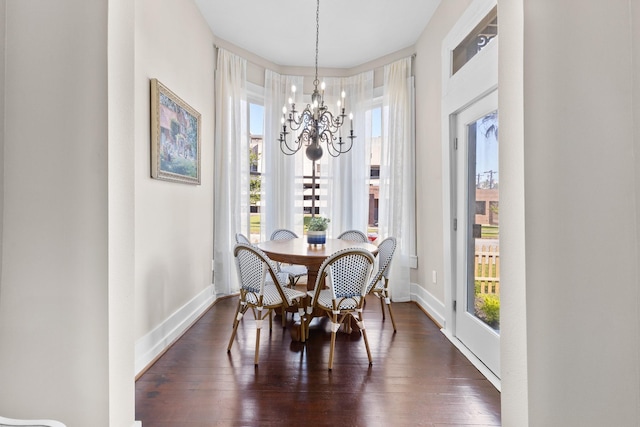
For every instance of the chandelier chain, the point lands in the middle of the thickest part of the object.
(316, 81)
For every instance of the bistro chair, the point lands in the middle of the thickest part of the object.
(257, 294)
(295, 271)
(241, 238)
(354, 236)
(379, 285)
(340, 289)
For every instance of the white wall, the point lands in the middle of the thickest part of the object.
(580, 209)
(513, 299)
(428, 72)
(3, 5)
(173, 222)
(58, 302)
(120, 48)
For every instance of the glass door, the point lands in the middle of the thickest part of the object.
(477, 224)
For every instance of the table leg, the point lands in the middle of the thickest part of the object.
(312, 274)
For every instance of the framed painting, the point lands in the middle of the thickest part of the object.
(175, 137)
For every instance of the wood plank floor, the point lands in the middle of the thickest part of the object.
(418, 378)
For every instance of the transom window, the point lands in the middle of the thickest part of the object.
(477, 40)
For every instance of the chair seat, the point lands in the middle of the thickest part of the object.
(272, 296)
(292, 294)
(294, 270)
(282, 276)
(325, 300)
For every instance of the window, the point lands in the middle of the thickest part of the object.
(256, 130)
(481, 35)
(374, 175)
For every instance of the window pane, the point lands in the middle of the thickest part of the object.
(486, 30)
(374, 176)
(484, 285)
(256, 126)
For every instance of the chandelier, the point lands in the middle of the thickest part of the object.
(316, 123)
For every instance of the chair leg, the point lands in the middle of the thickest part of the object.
(364, 335)
(259, 320)
(301, 313)
(334, 329)
(387, 300)
(380, 296)
(236, 322)
(393, 321)
(307, 320)
(235, 318)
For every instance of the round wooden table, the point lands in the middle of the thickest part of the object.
(298, 251)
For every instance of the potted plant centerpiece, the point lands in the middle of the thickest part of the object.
(317, 230)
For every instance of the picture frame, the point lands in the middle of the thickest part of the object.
(175, 137)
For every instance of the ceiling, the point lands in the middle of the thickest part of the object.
(352, 32)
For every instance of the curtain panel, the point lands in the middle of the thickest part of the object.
(348, 174)
(397, 183)
(231, 172)
(281, 195)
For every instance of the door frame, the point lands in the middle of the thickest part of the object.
(473, 81)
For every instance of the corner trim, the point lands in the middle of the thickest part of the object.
(429, 304)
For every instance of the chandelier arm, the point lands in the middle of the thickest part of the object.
(299, 120)
(340, 147)
(335, 152)
(286, 149)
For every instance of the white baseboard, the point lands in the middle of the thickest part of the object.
(434, 308)
(137, 424)
(155, 342)
(429, 303)
(493, 379)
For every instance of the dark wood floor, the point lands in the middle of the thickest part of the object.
(417, 379)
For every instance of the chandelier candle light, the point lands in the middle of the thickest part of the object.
(315, 123)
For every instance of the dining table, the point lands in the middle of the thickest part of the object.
(298, 251)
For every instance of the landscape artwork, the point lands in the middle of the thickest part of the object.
(175, 137)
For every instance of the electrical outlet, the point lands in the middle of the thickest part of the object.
(434, 276)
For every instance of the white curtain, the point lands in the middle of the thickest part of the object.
(281, 196)
(348, 174)
(231, 167)
(397, 187)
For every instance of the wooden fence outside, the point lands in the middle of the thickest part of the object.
(487, 269)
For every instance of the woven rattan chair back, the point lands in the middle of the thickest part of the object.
(253, 267)
(379, 285)
(295, 271)
(386, 249)
(354, 236)
(347, 272)
(283, 234)
(241, 238)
